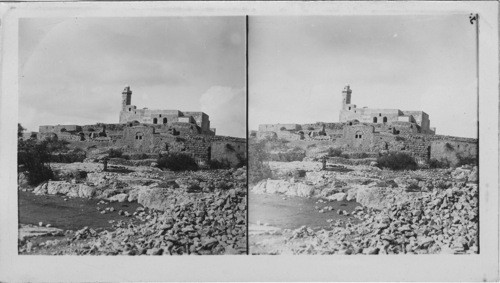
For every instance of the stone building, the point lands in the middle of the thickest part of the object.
(155, 131)
(377, 130)
(130, 113)
(350, 112)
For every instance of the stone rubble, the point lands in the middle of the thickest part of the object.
(202, 212)
(441, 216)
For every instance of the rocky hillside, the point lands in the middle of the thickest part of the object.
(423, 211)
(202, 212)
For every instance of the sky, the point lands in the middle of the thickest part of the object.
(298, 67)
(73, 70)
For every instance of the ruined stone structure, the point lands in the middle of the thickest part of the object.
(377, 130)
(155, 131)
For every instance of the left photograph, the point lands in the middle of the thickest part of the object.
(132, 136)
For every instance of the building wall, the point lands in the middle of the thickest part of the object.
(357, 137)
(277, 127)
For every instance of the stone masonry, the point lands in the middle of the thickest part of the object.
(378, 130)
(155, 131)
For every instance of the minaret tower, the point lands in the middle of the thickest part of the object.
(346, 97)
(126, 97)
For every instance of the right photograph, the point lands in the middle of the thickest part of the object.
(363, 135)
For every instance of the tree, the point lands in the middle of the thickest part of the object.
(20, 130)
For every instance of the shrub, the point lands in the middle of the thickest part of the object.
(295, 154)
(310, 128)
(364, 155)
(397, 161)
(282, 128)
(68, 157)
(216, 164)
(33, 158)
(257, 168)
(399, 138)
(258, 171)
(242, 161)
(334, 152)
(115, 153)
(434, 163)
(466, 160)
(448, 146)
(137, 156)
(177, 162)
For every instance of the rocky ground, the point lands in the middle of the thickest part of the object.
(202, 212)
(400, 212)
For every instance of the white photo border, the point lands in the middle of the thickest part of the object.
(481, 267)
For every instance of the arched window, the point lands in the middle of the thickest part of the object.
(164, 120)
(138, 136)
(155, 120)
(349, 108)
(384, 119)
(374, 119)
(380, 114)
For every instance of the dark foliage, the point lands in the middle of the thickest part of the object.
(33, 158)
(20, 130)
(115, 153)
(336, 152)
(68, 157)
(397, 161)
(434, 163)
(295, 154)
(177, 162)
(463, 160)
(257, 168)
(216, 164)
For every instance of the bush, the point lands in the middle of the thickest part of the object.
(33, 158)
(257, 168)
(295, 154)
(68, 157)
(336, 152)
(282, 128)
(467, 160)
(137, 156)
(216, 164)
(443, 163)
(115, 153)
(397, 161)
(177, 162)
(364, 155)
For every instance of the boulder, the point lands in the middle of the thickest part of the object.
(81, 191)
(473, 175)
(338, 197)
(304, 190)
(118, 198)
(22, 180)
(156, 198)
(59, 187)
(41, 189)
(373, 197)
(283, 187)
